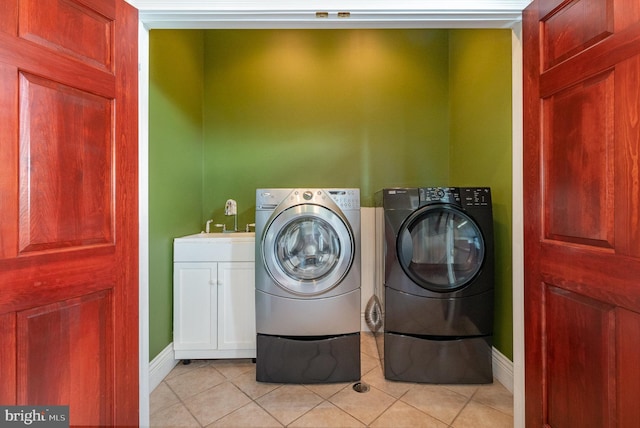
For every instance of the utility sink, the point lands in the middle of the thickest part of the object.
(221, 246)
(220, 235)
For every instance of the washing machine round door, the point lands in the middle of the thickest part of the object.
(308, 249)
(440, 248)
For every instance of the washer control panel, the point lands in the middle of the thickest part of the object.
(346, 199)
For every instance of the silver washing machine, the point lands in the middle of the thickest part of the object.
(438, 284)
(308, 285)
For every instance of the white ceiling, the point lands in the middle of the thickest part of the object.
(302, 13)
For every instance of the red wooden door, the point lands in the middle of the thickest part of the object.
(582, 213)
(68, 208)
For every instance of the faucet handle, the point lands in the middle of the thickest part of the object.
(223, 226)
(246, 229)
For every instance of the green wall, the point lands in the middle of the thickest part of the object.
(322, 108)
(236, 110)
(175, 165)
(480, 145)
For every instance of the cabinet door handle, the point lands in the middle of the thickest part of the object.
(213, 282)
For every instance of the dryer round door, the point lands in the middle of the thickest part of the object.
(440, 248)
(308, 249)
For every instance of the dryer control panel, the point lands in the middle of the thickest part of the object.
(476, 196)
(465, 196)
(447, 195)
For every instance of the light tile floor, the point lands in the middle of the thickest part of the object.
(224, 393)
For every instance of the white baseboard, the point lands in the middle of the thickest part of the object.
(502, 369)
(160, 366)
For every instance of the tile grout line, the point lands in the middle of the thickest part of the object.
(266, 411)
(251, 400)
(182, 403)
(489, 405)
(321, 402)
(462, 409)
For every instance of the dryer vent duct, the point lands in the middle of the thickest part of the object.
(373, 314)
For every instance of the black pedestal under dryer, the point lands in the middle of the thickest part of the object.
(438, 284)
(308, 285)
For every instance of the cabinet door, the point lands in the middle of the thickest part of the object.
(236, 306)
(195, 302)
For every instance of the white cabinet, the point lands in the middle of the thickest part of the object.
(214, 297)
(236, 306)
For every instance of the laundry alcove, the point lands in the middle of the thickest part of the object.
(168, 219)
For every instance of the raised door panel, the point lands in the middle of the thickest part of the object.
(627, 157)
(627, 370)
(8, 12)
(8, 362)
(579, 359)
(56, 24)
(65, 356)
(9, 160)
(66, 167)
(561, 39)
(578, 157)
(236, 309)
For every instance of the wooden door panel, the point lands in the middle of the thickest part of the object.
(55, 24)
(8, 362)
(627, 375)
(627, 157)
(8, 12)
(66, 173)
(65, 355)
(578, 359)
(578, 157)
(561, 39)
(8, 160)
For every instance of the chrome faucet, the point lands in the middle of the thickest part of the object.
(231, 209)
(206, 228)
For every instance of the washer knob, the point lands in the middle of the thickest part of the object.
(307, 195)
